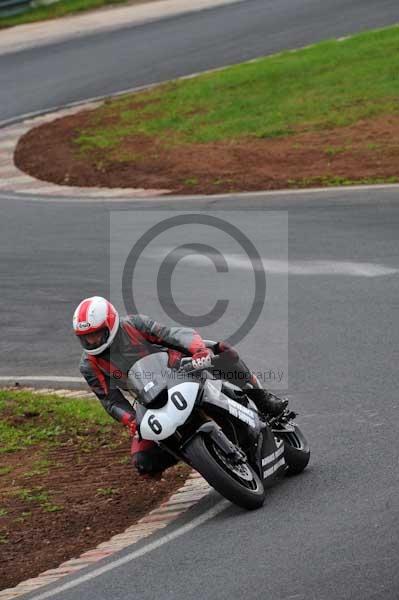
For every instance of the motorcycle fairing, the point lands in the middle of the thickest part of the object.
(272, 456)
(213, 395)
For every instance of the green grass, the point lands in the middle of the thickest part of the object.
(33, 495)
(27, 419)
(60, 9)
(48, 507)
(336, 180)
(24, 516)
(37, 496)
(107, 492)
(334, 150)
(328, 85)
(39, 467)
(191, 181)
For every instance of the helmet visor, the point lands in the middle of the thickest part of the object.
(92, 341)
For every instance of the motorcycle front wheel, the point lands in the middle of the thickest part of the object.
(239, 483)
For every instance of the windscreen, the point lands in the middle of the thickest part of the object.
(149, 376)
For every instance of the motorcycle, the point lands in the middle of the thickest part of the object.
(215, 428)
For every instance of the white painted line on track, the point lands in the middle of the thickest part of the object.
(282, 267)
(49, 378)
(206, 516)
(330, 267)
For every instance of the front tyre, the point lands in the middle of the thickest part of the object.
(238, 483)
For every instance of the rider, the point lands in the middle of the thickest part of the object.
(111, 345)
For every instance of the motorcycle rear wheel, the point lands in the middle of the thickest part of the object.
(238, 483)
(296, 451)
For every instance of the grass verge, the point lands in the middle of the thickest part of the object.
(323, 115)
(65, 483)
(332, 84)
(27, 419)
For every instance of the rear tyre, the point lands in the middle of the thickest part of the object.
(296, 451)
(238, 483)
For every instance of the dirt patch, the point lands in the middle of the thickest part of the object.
(366, 152)
(81, 494)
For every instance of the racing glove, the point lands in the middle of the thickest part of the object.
(174, 358)
(202, 359)
(130, 422)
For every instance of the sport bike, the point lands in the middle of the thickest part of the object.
(214, 427)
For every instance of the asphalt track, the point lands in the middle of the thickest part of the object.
(330, 534)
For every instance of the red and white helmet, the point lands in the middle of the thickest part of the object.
(95, 316)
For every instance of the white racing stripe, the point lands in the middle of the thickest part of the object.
(274, 468)
(268, 459)
(282, 267)
(209, 514)
(279, 452)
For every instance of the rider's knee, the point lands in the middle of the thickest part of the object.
(153, 460)
(227, 352)
(146, 463)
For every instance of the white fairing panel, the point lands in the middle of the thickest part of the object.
(159, 424)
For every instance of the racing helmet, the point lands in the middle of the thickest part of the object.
(95, 323)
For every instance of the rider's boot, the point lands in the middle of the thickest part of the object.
(230, 362)
(266, 402)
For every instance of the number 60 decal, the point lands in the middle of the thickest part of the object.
(179, 402)
(154, 424)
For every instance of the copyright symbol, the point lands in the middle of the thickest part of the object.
(117, 374)
(170, 261)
